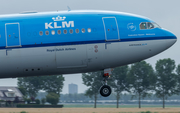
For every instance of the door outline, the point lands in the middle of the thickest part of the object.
(7, 36)
(105, 29)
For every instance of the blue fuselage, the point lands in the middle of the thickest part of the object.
(33, 44)
(27, 28)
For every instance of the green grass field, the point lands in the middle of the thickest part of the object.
(114, 106)
(88, 108)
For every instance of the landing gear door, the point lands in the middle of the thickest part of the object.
(111, 28)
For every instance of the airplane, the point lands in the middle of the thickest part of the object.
(80, 41)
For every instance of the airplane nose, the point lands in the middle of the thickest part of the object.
(171, 38)
(171, 41)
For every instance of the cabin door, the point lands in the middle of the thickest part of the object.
(111, 28)
(12, 35)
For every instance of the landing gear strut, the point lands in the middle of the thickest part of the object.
(105, 90)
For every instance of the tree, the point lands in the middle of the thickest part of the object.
(43, 101)
(28, 100)
(16, 100)
(23, 91)
(140, 78)
(52, 98)
(93, 81)
(30, 85)
(37, 101)
(166, 84)
(120, 84)
(53, 83)
(32, 99)
(178, 77)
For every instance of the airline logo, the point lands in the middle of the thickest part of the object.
(131, 27)
(59, 22)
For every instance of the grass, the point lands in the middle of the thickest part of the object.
(88, 108)
(114, 106)
(23, 112)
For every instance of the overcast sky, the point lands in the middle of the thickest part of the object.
(165, 12)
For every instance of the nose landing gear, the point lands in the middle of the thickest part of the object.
(105, 90)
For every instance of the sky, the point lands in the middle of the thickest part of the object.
(164, 12)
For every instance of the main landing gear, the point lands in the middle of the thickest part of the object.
(105, 90)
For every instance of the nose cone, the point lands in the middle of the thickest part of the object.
(171, 39)
(171, 42)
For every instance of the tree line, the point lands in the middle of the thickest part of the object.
(30, 86)
(126, 98)
(140, 80)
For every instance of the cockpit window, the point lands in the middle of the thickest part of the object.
(148, 25)
(143, 25)
(156, 25)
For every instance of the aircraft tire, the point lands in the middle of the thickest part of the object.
(105, 90)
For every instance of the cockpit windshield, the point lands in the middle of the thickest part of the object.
(149, 25)
(156, 25)
(143, 25)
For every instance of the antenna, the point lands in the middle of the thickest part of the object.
(69, 9)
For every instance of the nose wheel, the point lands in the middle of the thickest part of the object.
(105, 90)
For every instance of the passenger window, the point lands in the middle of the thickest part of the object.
(53, 32)
(150, 25)
(47, 32)
(71, 31)
(77, 30)
(143, 25)
(40, 33)
(89, 30)
(65, 31)
(83, 30)
(59, 32)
